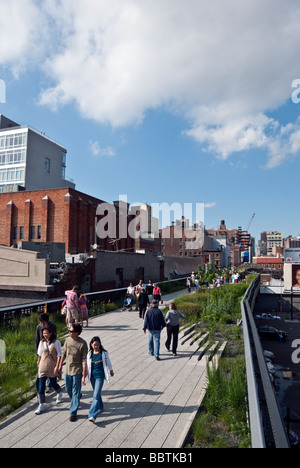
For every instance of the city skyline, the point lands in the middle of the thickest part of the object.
(183, 103)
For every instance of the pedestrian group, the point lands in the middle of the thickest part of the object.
(94, 362)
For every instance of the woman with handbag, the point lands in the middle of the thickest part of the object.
(157, 294)
(49, 361)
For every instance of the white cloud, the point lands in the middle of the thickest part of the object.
(97, 150)
(210, 205)
(221, 64)
(23, 33)
(285, 144)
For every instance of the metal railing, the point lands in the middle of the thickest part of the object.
(266, 423)
(7, 314)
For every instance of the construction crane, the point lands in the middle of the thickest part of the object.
(252, 217)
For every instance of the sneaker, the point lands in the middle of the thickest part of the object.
(41, 409)
(174, 354)
(157, 358)
(73, 418)
(59, 398)
(93, 420)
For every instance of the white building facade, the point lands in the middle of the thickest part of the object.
(29, 159)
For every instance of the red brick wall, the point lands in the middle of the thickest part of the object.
(65, 215)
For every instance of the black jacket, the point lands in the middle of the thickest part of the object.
(154, 319)
(143, 299)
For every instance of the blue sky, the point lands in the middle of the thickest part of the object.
(165, 101)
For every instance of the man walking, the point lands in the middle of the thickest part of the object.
(75, 352)
(154, 321)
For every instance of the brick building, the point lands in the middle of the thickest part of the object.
(182, 240)
(53, 215)
(269, 263)
(65, 215)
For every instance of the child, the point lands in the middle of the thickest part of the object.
(99, 368)
(83, 310)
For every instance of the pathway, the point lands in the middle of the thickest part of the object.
(148, 403)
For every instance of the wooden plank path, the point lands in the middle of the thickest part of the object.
(148, 403)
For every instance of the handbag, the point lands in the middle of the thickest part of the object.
(58, 373)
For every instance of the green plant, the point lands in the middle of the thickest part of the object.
(222, 421)
(18, 373)
(226, 396)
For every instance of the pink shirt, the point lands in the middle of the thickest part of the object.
(72, 299)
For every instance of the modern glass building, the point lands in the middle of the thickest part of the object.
(29, 159)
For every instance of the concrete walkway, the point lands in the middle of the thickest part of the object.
(148, 403)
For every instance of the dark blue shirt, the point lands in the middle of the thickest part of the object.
(97, 366)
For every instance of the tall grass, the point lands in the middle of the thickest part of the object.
(226, 397)
(222, 421)
(18, 373)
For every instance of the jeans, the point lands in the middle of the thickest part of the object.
(41, 384)
(154, 335)
(97, 404)
(73, 387)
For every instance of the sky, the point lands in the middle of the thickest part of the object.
(165, 101)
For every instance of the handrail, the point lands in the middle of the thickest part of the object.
(256, 424)
(264, 412)
(18, 308)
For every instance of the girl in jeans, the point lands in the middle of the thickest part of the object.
(49, 357)
(99, 368)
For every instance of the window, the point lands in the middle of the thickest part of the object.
(47, 165)
(21, 232)
(12, 175)
(63, 165)
(39, 232)
(32, 232)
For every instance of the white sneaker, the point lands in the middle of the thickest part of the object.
(59, 398)
(93, 420)
(41, 409)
